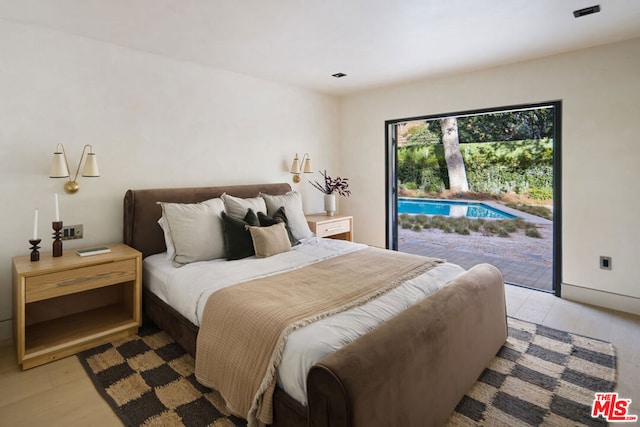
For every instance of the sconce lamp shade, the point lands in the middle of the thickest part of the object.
(307, 166)
(295, 166)
(59, 167)
(91, 166)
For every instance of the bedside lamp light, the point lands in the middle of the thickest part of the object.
(296, 170)
(60, 167)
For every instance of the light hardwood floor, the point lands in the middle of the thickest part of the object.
(61, 394)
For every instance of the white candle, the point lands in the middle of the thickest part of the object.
(57, 207)
(35, 226)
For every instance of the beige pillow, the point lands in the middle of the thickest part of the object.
(196, 230)
(268, 241)
(292, 202)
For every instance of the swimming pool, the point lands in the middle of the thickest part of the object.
(450, 208)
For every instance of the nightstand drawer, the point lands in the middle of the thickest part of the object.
(333, 227)
(78, 279)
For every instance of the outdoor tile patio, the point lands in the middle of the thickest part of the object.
(522, 260)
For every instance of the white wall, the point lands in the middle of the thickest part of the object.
(153, 122)
(600, 93)
(158, 122)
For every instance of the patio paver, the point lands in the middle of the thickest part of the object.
(534, 273)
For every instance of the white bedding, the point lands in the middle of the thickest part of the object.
(187, 288)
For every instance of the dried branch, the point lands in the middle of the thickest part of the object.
(337, 185)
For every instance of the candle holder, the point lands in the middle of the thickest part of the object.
(57, 243)
(35, 255)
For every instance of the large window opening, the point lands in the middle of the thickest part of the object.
(479, 186)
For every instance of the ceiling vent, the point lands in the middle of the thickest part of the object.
(586, 11)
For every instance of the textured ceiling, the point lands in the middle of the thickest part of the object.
(303, 42)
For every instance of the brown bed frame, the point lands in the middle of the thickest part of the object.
(412, 370)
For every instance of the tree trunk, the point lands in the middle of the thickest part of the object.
(453, 156)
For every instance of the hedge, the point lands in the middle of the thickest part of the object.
(494, 167)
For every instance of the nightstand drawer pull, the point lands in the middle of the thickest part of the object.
(340, 227)
(84, 279)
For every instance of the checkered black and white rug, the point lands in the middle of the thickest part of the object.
(541, 376)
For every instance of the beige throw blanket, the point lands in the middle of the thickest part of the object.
(244, 327)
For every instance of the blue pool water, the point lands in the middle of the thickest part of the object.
(450, 208)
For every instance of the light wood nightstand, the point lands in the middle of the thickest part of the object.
(335, 227)
(68, 304)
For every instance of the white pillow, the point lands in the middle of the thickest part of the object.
(238, 207)
(196, 230)
(292, 202)
(168, 241)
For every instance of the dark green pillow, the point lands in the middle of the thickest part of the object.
(278, 216)
(237, 238)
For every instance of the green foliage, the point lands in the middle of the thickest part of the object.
(490, 227)
(520, 223)
(405, 221)
(500, 126)
(421, 135)
(495, 167)
(541, 193)
(506, 126)
(503, 232)
(532, 232)
(439, 221)
(411, 185)
(503, 152)
(475, 226)
(421, 219)
(432, 181)
(541, 211)
(510, 226)
(461, 226)
(464, 226)
(422, 166)
(512, 167)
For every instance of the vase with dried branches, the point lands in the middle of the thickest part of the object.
(330, 187)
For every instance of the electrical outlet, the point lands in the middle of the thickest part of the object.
(70, 232)
(605, 262)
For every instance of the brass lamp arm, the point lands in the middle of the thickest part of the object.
(298, 167)
(75, 178)
(60, 167)
(64, 156)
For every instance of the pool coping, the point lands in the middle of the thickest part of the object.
(496, 205)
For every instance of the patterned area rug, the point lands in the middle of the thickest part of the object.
(541, 376)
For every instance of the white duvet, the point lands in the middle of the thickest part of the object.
(187, 288)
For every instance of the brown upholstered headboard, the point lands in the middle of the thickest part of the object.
(141, 210)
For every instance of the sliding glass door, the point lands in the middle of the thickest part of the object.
(487, 181)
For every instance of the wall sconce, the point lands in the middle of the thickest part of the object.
(295, 167)
(60, 167)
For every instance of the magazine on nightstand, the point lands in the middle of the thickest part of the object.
(94, 251)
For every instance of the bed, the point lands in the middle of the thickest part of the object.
(410, 370)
